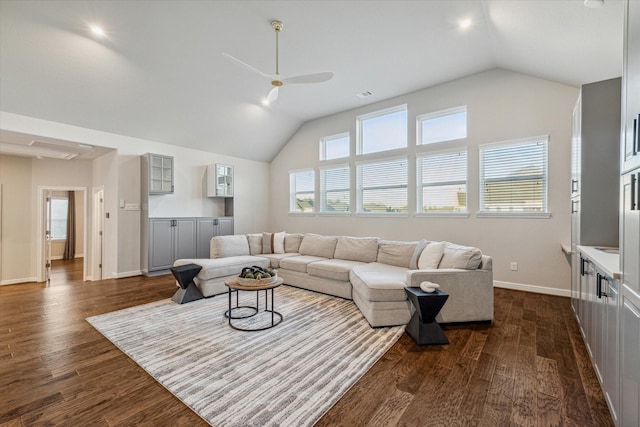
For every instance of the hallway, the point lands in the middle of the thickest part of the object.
(66, 271)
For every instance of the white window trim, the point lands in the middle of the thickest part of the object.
(358, 211)
(510, 214)
(435, 115)
(336, 166)
(461, 214)
(296, 213)
(323, 146)
(372, 115)
(59, 239)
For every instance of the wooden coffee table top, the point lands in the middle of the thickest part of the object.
(233, 284)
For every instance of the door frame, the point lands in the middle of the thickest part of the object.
(40, 254)
(97, 227)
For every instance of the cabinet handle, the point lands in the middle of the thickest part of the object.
(599, 285)
(634, 141)
(633, 200)
(582, 269)
(574, 209)
(574, 185)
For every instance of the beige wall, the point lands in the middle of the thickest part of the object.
(501, 106)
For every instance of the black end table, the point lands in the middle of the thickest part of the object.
(188, 291)
(423, 327)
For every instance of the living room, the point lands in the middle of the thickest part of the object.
(503, 100)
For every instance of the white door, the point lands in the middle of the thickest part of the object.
(47, 236)
(98, 209)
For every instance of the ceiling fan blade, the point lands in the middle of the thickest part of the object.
(273, 94)
(245, 65)
(309, 78)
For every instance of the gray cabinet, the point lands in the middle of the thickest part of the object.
(630, 363)
(170, 239)
(157, 173)
(208, 228)
(631, 88)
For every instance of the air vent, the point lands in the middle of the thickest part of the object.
(364, 94)
(62, 146)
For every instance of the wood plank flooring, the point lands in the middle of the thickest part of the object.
(529, 368)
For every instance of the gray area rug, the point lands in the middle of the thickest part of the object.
(286, 376)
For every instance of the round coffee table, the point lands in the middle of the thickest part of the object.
(236, 287)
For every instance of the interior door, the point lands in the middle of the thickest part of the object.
(98, 205)
(47, 236)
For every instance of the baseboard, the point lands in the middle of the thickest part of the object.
(126, 274)
(59, 257)
(532, 288)
(16, 281)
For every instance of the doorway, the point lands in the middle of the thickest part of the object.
(52, 202)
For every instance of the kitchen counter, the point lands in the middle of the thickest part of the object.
(607, 261)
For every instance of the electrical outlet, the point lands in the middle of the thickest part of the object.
(514, 266)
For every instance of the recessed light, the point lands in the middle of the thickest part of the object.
(97, 30)
(464, 23)
(593, 3)
(265, 102)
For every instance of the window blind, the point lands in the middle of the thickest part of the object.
(334, 189)
(513, 176)
(302, 191)
(382, 186)
(442, 182)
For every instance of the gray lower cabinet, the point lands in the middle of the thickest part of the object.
(170, 239)
(630, 367)
(208, 228)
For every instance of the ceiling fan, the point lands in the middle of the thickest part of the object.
(276, 79)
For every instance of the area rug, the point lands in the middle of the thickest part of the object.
(289, 375)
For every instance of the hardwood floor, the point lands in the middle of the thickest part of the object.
(529, 368)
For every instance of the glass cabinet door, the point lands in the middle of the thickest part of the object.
(224, 180)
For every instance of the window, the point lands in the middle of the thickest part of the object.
(442, 182)
(302, 191)
(382, 130)
(58, 215)
(334, 147)
(334, 189)
(445, 125)
(513, 176)
(382, 186)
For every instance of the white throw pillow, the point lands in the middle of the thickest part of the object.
(431, 255)
(273, 243)
(255, 243)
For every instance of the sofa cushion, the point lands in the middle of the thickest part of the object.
(299, 263)
(457, 256)
(431, 255)
(255, 243)
(379, 282)
(292, 242)
(221, 267)
(228, 246)
(317, 245)
(273, 243)
(395, 253)
(276, 258)
(413, 263)
(363, 249)
(335, 269)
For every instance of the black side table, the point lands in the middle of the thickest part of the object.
(188, 291)
(423, 327)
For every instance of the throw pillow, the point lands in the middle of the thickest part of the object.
(395, 253)
(457, 256)
(431, 255)
(255, 243)
(292, 242)
(413, 263)
(273, 243)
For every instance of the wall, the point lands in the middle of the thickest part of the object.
(119, 174)
(501, 106)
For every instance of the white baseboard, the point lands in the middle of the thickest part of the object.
(16, 281)
(126, 274)
(532, 288)
(59, 257)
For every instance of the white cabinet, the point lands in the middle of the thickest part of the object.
(219, 180)
(159, 173)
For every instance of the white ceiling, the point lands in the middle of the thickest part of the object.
(160, 74)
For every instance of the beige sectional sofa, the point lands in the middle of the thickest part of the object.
(370, 271)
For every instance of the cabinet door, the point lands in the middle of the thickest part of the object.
(206, 229)
(598, 325)
(586, 292)
(630, 368)
(225, 226)
(161, 243)
(575, 281)
(160, 174)
(631, 235)
(611, 350)
(632, 87)
(185, 238)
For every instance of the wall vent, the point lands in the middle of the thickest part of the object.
(365, 94)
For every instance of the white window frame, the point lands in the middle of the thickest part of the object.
(362, 118)
(323, 191)
(419, 185)
(293, 193)
(326, 139)
(437, 114)
(53, 237)
(360, 188)
(545, 213)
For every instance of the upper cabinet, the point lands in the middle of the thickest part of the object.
(631, 76)
(158, 170)
(219, 180)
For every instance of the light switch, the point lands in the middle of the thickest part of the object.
(122, 203)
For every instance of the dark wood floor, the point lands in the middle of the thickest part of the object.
(529, 368)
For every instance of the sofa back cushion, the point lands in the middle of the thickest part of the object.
(395, 253)
(457, 256)
(255, 243)
(317, 245)
(226, 246)
(273, 243)
(292, 242)
(364, 249)
(431, 255)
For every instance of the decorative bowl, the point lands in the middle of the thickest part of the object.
(257, 282)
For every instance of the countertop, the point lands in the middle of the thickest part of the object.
(607, 262)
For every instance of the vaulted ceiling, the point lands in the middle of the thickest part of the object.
(159, 72)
